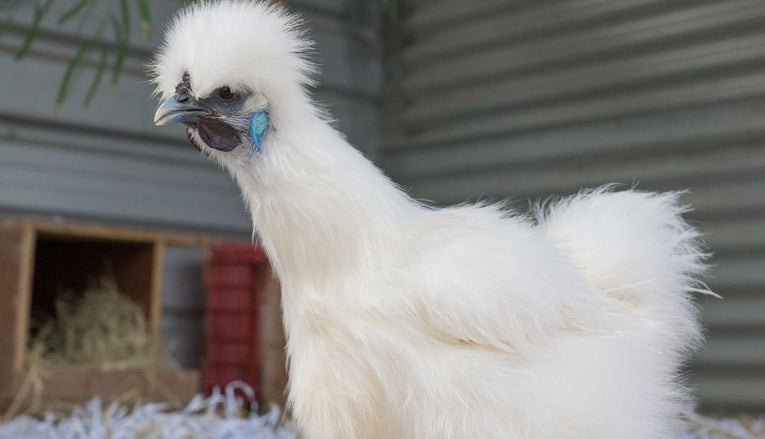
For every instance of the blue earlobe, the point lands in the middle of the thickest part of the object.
(258, 126)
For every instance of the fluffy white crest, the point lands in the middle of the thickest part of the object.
(238, 43)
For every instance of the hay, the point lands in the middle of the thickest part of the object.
(100, 328)
(217, 416)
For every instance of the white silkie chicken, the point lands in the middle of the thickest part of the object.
(407, 321)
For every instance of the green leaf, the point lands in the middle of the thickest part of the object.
(40, 12)
(391, 6)
(121, 50)
(355, 11)
(122, 32)
(119, 62)
(68, 80)
(125, 14)
(7, 22)
(143, 9)
(73, 11)
(117, 30)
(98, 76)
(86, 15)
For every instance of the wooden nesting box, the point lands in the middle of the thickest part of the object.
(40, 257)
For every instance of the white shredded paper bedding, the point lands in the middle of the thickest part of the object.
(218, 416)
(702, 427)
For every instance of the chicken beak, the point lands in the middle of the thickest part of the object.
(177, 109)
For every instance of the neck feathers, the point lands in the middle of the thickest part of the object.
(319, 206)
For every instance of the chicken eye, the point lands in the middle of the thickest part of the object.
(225, 93)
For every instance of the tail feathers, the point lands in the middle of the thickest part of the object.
(635, 247)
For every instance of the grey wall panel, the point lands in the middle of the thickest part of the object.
(668, 26)
(184, 192)
(748, 311)
(347, 57)
(528, 99)
(736, 390)
(742, 351)
(182, 331)
(686, 128)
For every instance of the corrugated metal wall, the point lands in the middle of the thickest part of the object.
(109, 163)
(497, 98)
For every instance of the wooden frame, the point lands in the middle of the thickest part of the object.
(139, 255)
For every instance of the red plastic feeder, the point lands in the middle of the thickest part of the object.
(233, 279)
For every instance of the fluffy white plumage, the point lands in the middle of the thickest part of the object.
(406, 321)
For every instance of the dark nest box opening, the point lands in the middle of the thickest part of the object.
(72, 265)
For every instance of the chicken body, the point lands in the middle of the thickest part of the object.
(408, 321)
(475, 324)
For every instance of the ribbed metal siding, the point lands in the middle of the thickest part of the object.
(498, 98)
(109, 163)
